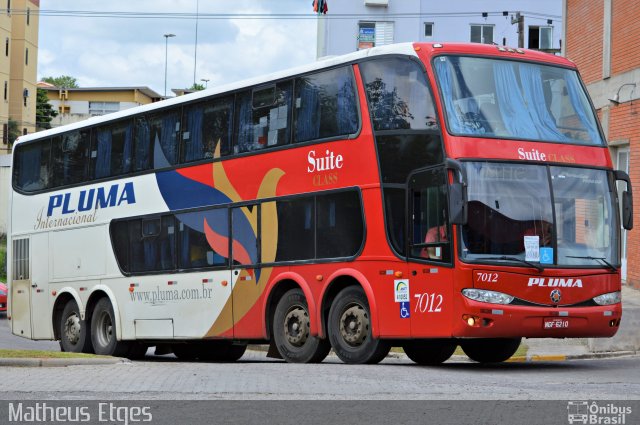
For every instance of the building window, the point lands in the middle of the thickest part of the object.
(6, 90)
(372, 34)
(28, 15)
(8, 7)
(102, 108)
(482, 34)
(540, 38)
(26, 56)
(428, 30)
(6, 47)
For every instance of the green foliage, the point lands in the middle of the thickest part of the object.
(63, 81)
(196, 87)
(14, 131)
(44, 111)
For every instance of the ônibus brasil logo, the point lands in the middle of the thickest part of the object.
(583, 412)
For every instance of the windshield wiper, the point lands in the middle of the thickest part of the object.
(604, 260)
(518, 260)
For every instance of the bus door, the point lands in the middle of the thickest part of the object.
(430, 254)
(30, 287)
(245, 270)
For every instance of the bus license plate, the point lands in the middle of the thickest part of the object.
(555, 323)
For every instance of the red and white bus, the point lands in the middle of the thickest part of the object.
(426, 196)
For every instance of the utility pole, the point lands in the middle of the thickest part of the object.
(519, 19)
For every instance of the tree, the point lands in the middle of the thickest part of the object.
(44, 111)
(196, 87)
(14, 131)
(63, 81)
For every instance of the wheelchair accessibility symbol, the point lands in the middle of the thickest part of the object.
(404, 310)
(546, 255)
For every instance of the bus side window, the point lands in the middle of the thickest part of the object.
(205, 125)
(31, 167)
(70, 152)
(165, 129)
(111, 148)
(325, 105)
(142, 150)
(339, 226)
(193, 148)
(218, 126)
(262, 124)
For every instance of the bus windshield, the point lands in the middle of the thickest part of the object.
(515, 100)
(560, 215)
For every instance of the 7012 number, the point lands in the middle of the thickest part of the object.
(428, 303)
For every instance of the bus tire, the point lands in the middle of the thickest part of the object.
(291, 331)
(221, 351)
(74, 332)
(429, 352)
(490, 350)
(103, 331)
(349, 329)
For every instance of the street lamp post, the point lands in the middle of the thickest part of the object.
(206, 81)
(166, 44)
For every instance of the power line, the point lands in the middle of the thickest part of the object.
(264, 16)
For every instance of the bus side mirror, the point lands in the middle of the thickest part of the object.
(627, 210)
(627, 200)
(457, 204)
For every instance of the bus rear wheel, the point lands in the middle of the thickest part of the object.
(349, 329)
(490, 350)
(291, 331)
(429, 351)
(74, 335)
(103, 331)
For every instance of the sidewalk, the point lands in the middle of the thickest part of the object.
(625, 342)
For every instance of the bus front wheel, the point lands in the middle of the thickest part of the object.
(349, 329)
(74, 335)
(490, 350)
(103, 331)
(429, 351)
(291, 331)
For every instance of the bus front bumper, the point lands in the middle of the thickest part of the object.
(483, 320)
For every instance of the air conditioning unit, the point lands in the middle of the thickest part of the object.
(376, 3)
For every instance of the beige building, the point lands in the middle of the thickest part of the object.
(78, 104)
(18, 66)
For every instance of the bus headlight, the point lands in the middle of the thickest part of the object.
(485, 296)
(608, 299)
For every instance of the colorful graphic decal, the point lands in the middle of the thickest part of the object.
(185, 189)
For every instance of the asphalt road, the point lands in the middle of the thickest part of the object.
(261, 390)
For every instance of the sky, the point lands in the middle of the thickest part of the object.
(117, 51)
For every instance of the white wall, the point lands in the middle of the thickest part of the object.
(452, 20)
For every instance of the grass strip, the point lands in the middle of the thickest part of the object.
(42, 354)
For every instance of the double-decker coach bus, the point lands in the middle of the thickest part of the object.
(415, 195)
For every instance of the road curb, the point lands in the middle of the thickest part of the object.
(562, 357)
(59, 362)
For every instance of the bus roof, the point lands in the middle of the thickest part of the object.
(430, 49)
(400, 48)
